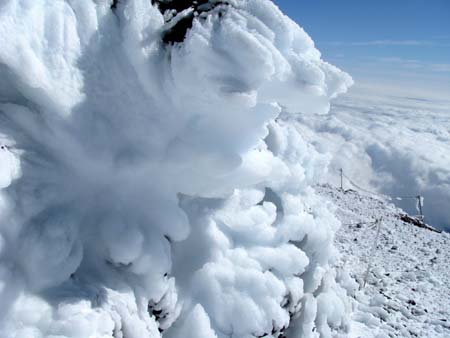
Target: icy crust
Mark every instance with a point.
(154, 189)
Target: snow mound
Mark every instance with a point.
(150, 184)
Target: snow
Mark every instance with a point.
(10, 168)
(159, 170)
(153, 188)
(407, 293)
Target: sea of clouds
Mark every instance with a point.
(389, 142)
(157, 187)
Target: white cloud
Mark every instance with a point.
(390, 43)
(440, 67)
(395, 141)
(430, 79)
(416, 64)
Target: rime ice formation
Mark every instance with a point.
(154, 186)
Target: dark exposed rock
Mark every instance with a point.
(417, 222)
(180, 14)
(412, 302)
(114, 4)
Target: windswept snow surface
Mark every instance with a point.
(407, 292)
(151, 188)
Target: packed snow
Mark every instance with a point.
(152, 184)
(407, 293)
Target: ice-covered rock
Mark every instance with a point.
(155, 186)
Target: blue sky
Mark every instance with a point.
(398, 42)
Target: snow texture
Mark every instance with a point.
(407, 292)
(151, 184)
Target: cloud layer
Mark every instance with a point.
(398, 145)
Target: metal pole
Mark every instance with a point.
(372, 253)
(342, 179)
(419, 202)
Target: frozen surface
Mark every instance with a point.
(153, 187)
(407, 292)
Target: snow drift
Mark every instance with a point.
(151, 181)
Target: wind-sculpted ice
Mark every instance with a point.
(151, 184)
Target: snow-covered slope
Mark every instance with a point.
(149, 185)
(407, 292)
